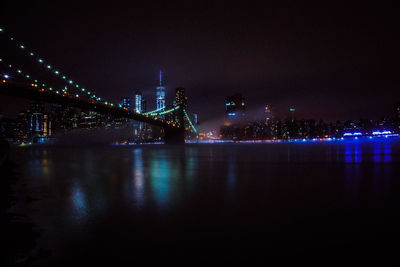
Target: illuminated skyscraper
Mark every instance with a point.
(36, 117)
(138, 102)
(292, 114)
(195, 119)
(235, 106)
(144, 105)
(268, 114)
(126, 102)
(180, 97)
(160, 94)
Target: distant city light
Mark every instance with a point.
(40, 60)
(6, 76)
(381, 133)
(352, 134)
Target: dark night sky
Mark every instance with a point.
(332, 62)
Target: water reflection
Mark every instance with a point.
(353, 152)
(138, 177)
(382, 152)
(160, 177)
(79, 203)
(231, 177)
(190, 168)
(87, 183)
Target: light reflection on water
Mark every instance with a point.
(79, 203)
(161, 177)
(88, 183)
(357, 151)
(139, 180)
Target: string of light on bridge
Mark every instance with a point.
(65, 78)
(157, 111)
(55, 71)
(154, 111)
(33, 82)
(190, 122)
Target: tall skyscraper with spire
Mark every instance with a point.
(160, 94)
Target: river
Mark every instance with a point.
(203, 203)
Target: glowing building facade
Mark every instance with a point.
(180, 97)
(36, 117)
(160, 94)
(138, 102)
(126, 102)
(195, 119)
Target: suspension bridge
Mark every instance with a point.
(19, 83)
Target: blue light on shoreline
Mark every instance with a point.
(272, 141)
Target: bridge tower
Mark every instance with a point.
(176, 136)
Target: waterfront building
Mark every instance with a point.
(35, 118)
(47, 126)
(89, 119)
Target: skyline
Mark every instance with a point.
(199, 132)
(327, 63)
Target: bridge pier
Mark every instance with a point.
(174, 136)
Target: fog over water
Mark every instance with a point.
(230, 202)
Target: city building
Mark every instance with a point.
(138, 102)
(126, 102)
(89, 119)
(35, 118)
(268, 114)
(235, 106)
(180, 97)
(292, 114)
(160, 94)
(47, 126)
(195, 119)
